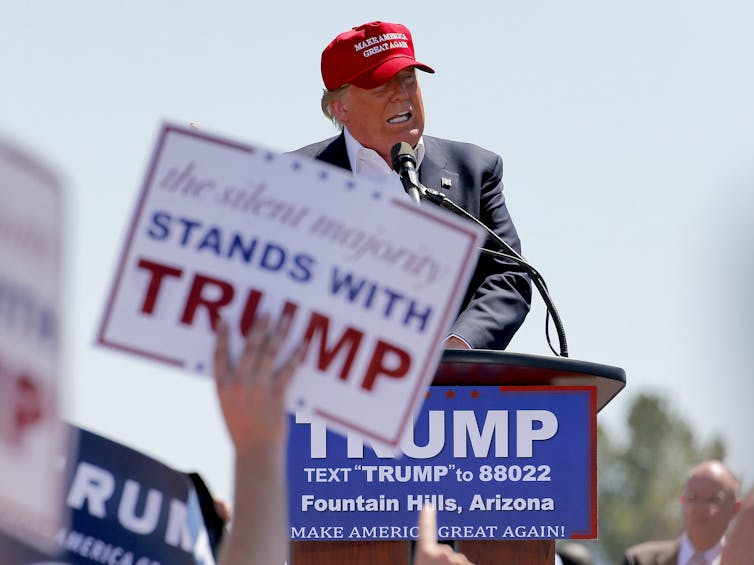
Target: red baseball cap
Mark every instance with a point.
(369, 55)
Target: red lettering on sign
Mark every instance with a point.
(213, 294)
(158, 272)
(196, 298)
(378, 364)
(250, 310)
(28, 404)
(350, 340)
(26, 407)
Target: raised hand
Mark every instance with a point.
(428, 551)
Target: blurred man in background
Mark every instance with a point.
(709, 501)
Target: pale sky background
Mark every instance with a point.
(627, 132)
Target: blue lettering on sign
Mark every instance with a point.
(25, 314)
(130, 501)
(228, 244)
(372, 296)
(496, 463)
(125, 509)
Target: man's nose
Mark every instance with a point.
(705, 508)
(398, 90)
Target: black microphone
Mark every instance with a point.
(404, 163)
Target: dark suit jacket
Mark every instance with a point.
(663, 552)
(496, 301)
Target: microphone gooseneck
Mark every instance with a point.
(404, 163)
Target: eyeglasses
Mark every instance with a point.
(716, 500)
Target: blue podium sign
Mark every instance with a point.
(496, 462)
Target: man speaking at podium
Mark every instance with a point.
(372, 93)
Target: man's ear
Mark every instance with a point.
(340, 111)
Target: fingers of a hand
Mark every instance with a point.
(288, 369)
(253, 346)
(222, 355)
(271, 347)
(457, 559)
(427, 527)
(444, 555)
(460, 559)
(222, 509)
(282, 327)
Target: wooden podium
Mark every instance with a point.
(477, 368)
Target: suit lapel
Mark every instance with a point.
(433, 172)
(336, 154)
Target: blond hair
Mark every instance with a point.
(328, 97)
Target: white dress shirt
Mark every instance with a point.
(368, 165)
(712, 555)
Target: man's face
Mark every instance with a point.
(709, 503)
(381, 117)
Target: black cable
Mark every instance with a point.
(552, 311)
(404, 163)
(515, 257)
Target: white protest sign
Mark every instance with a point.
(227, 229)
(32, 438)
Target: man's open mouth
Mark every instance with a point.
(400, 118)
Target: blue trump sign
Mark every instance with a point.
(496, 462)
(125, 509)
